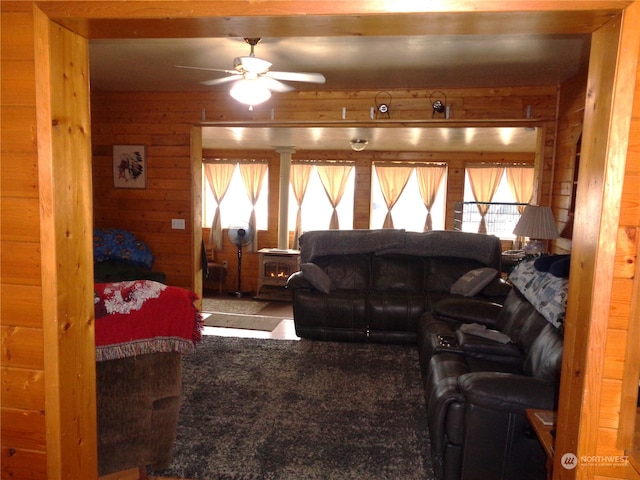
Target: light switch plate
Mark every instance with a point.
(178, 223)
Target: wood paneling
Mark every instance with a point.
(361, 17)
(64, 170)
(22, 399)
(23, 430)
(571, 109)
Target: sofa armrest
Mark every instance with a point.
(506, 392)
(475, 345)
(498, 438)
(298, 280)
(467, 310)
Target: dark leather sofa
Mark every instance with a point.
(476, 388)
(379, 282)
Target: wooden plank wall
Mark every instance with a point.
(570, 120)
(622, 350)
(162, 122)
(23, 449)
(621, 313)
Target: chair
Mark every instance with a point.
(215, 275)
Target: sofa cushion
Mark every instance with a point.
(317, 277)
(347, 272)
(397, 273)
(442, 272)
(497, 290)
(473, 282)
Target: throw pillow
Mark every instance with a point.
(561, 267)
(472, 283)
(317, 277)
(543, 264)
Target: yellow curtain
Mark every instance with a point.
(484, 183)
(334, 180)
(392, 182)
(299, 178)
(520, 181)
(252, 177)
(219, 177)
(429, 180)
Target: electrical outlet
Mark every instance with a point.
(225, 264)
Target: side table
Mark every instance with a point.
(543, 423)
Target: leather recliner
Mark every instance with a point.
(477, 390)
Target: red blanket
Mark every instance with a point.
(144, 316)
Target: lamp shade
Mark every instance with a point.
(536, 222)
(250, 92)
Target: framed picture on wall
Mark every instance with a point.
(129, 166)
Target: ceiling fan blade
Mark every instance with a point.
(220, 81)
(297, 76)
(275, 85)
(207, 69)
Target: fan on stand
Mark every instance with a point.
(240, 236)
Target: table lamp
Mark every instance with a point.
(538, 224)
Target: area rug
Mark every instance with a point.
(227, 305)
(247, 322)
(291, 410)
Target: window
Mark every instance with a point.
(409, 212)
(501, 218)
(316, 209)
(235, 205)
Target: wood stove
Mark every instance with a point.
(274, 268)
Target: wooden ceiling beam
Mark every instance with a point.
(163, 19)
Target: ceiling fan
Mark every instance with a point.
(254, 82)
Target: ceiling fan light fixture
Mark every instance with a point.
(250, 92)
(358, 144)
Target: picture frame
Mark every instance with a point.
(129, 166)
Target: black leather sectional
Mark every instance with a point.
(377, 283)
(395, 286)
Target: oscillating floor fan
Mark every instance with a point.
(241, 236)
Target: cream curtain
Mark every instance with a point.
(429, 180)
(484, 183)
(252, 177)
(219, 177)
(334, 180)
(520, 181)
(299, 178)
(392, 182)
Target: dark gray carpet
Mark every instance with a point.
(301, 410)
